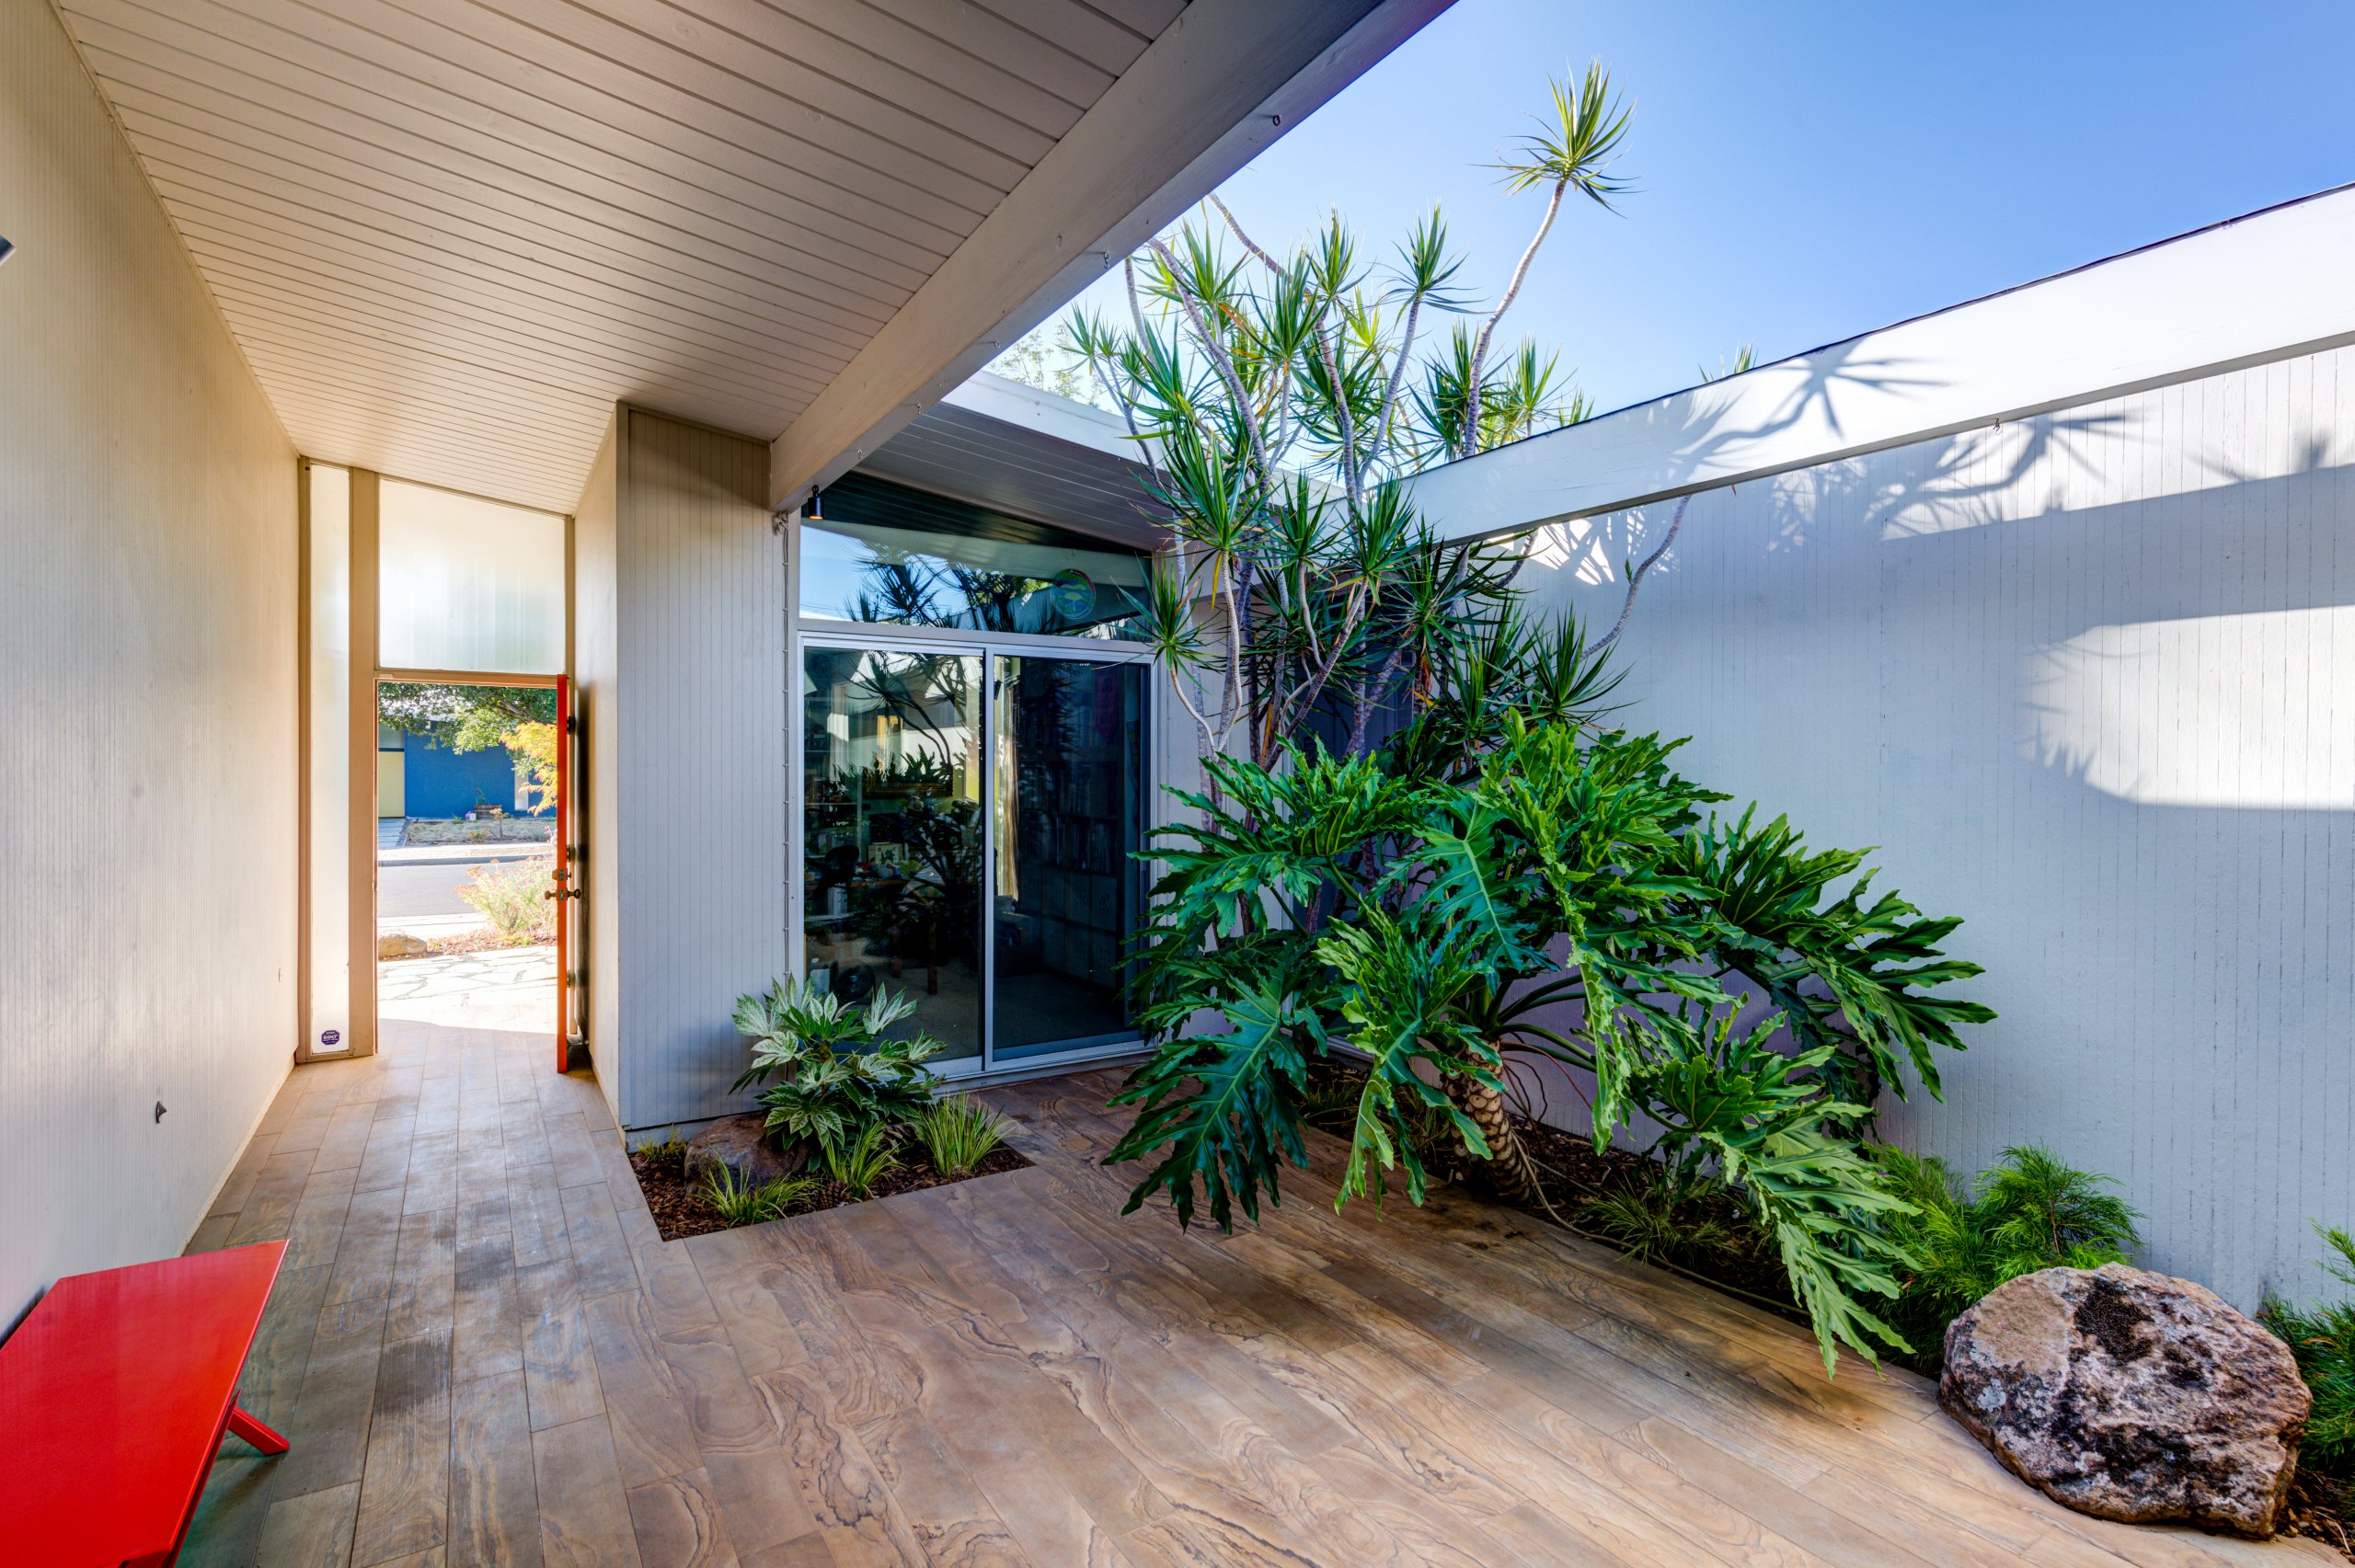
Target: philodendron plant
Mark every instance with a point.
(834, 1073)
(1565, 898)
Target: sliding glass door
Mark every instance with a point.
(968, 821)
(891, 827)
(1068, 798)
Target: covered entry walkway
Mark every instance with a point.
(483, 1353)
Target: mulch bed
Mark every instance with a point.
(680, 1209)
(2322, 1508)
(1573, 1177)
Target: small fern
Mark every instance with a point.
(1667, 1219)
(863, 1162)
(2032, 1212)
(2323, 1341)
(740, 1202)
(958, 1132)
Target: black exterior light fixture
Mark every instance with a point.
(810, 510)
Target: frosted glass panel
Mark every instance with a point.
(329, 596)
(466, 584)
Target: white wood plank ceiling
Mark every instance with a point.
(449, 235)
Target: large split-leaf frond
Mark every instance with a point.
(1224, 1109)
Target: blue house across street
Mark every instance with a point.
(419, 776)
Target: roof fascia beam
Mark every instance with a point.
(1222, 83)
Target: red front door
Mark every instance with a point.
(567, 888)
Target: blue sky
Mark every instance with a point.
(1810, 170)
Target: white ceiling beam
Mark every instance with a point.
(1050, 414)
(1222, 83)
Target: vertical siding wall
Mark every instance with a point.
(595, 672)
(2089, 681)
(147, 698)
(687, 819)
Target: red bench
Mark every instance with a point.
(114, 1393)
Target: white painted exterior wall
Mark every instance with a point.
(680, 652)
(2087, 677)
(147, 691)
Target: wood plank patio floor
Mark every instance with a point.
(483, 1353)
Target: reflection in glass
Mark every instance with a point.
(891, 866)
(857, 571)
(1069, 819)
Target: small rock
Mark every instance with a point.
(742, 1144)
(401, 945)
(2129, 1395)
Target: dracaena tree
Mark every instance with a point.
(1506, 876)
(1280, 403)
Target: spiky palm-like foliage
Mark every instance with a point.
(1277, 403)
(1667, 1219)
(2323, 1340)
(742, 1202)
(958, 1132)
(859, 1163)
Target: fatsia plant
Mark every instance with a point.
(835, 1075)
(1546, 904)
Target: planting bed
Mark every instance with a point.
(681, 1209)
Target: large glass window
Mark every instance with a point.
(887, 554)
(907, 578)
(1070, 802)
(891, 872)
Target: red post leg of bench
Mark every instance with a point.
(254, 1432)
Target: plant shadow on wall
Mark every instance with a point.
(849, 1114)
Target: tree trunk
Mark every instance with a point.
(1509, 1170)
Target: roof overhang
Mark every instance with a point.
(2273, 285)
(449, 237)
(1221, 84)
(1029, 454)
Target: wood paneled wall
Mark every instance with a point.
(595, 673)
(147, 698)
(682, 674)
